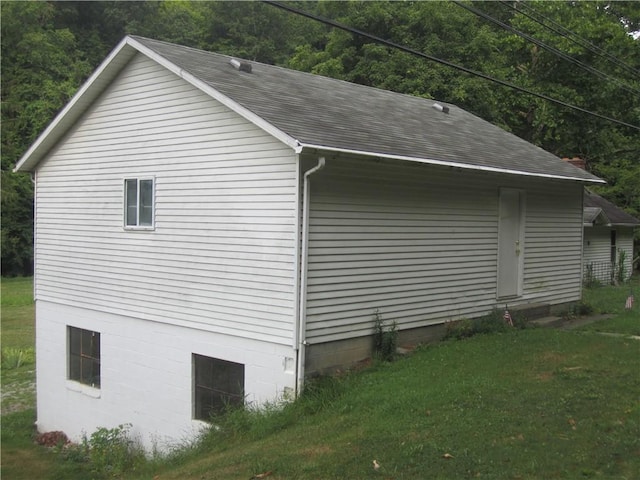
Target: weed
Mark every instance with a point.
(490, 323)
(577, 310)
(590, 279)
(385, 338)
(13, 358)
(108, 451)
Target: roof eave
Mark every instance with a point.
(446, 163)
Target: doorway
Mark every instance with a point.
(510, 242)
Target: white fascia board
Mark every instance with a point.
(212, 92)
(446, 163)
(87, 93)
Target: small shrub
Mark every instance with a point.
(490, 323)
(13, 358)
(385, 338)
(590, 279)
(108, 451)
(577, 310)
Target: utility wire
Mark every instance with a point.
(388, 43)
(549, 48)
(522, 7)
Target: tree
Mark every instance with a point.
(41, 69)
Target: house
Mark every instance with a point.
(608, 241)
(211, 231)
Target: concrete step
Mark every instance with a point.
(549, 322)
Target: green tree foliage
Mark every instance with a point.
(50, 48)
(41, 70)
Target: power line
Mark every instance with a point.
(568, 34)
(549, 48)
(388, 43)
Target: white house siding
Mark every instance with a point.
(146, 374)
(553, 243)
(418, 243)
(222, 255)
(597, 251)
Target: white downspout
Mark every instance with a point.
(304, 264)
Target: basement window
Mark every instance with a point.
(84, 356)
(218, 385)
(138, 203)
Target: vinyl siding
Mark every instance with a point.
(222, 254)
(418, 243)
(597, 252)
(553, 243)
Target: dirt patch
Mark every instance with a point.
(18, 396)
(544, 376)
(554, 357)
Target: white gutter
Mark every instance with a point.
(447, 163)
(304, 264)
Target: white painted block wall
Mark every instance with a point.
(146, 375)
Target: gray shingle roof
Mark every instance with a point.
(325, 112)
(614, 214)
(311, 111)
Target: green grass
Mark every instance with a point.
(527, 404)
(18, 320)
(18, 340)
(611, 300)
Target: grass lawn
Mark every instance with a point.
(609, 299)
(526, 404)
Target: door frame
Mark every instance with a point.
(518, 232)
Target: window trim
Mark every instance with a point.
(83, 356)
(138, 179)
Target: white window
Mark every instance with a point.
(138, 203)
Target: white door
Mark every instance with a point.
(510, 242)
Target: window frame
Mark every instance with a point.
(218, 396)
(138, 202)
(79, 360)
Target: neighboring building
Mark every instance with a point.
(608, 238)
(209, 230)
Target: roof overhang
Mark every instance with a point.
(446, 163)
(129, 47)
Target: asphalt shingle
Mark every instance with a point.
(326, 112)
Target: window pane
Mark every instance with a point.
(75, 335)
(131, 202)
(74, 367)
(95, 373)
(84, 356)
(218, 384)
(146, 202)
(95, 345)
(203, 371)
(86, 343)
(86, 371)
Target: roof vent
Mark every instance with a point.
(242, 66)
(441, 108)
